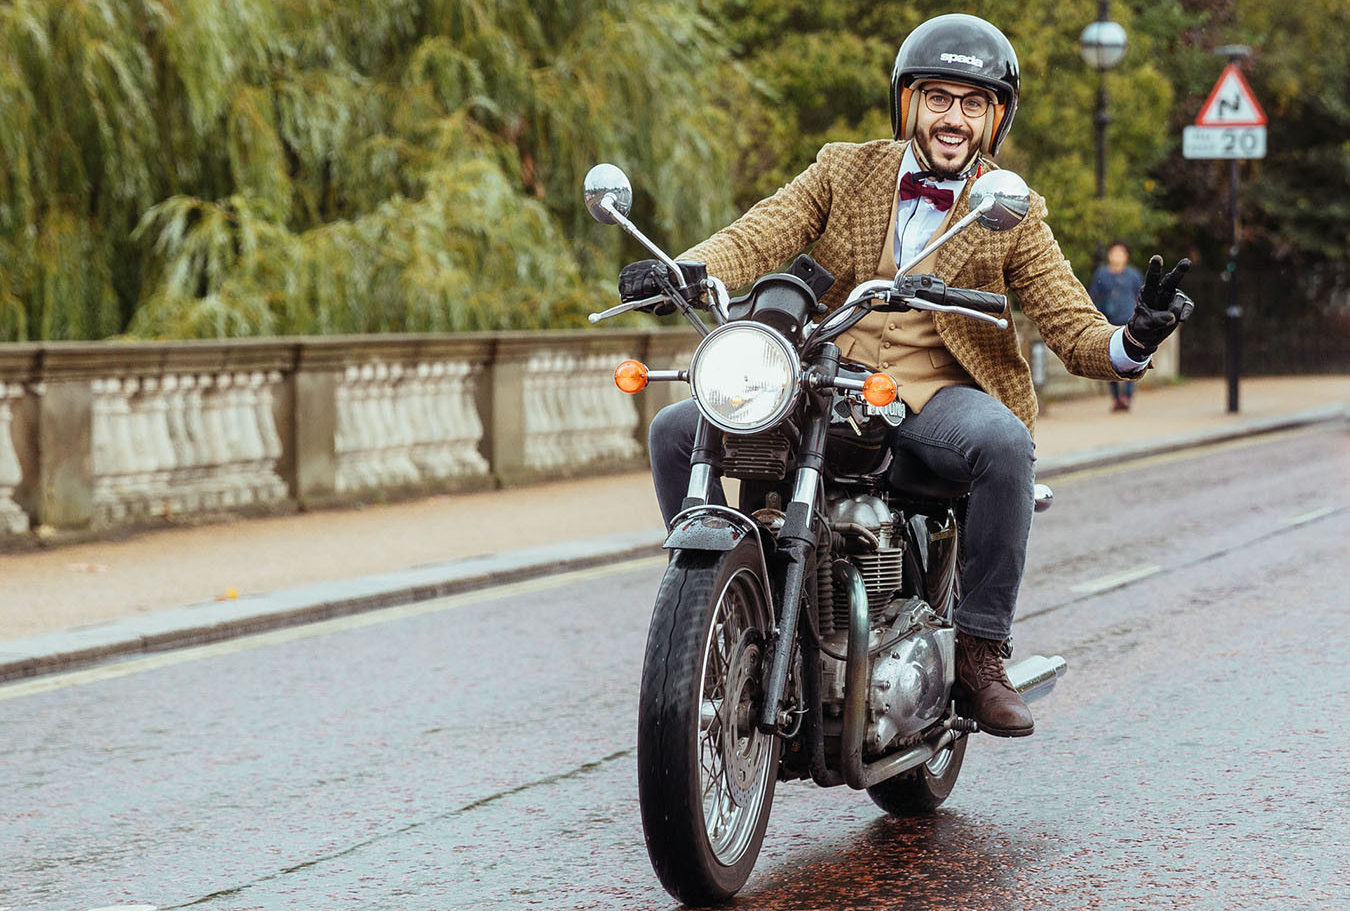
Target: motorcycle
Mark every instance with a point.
(807, 633)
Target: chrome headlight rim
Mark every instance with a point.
(789, 351)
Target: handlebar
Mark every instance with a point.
(926, 292)
(983, 301)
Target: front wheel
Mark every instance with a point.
(706, 774)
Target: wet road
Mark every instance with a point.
(478, 752)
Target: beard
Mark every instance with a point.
(938, 159)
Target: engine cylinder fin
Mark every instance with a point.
(883, 573)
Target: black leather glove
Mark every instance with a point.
(1158, 310)
(638, 280)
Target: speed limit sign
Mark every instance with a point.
(1223, 142)
(1230, 125)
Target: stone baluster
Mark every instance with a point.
(218, 493)
(615, 415)
(567, 393)
(429, 452)
(181, 494)
(543, 417)
(402, 429)
(245, 443)
(198, 493)
(154, 407)
(466, 429)
(270, 487)
(122, 480)
(12, 519)
(591, 425)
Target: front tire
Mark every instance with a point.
(706, 774)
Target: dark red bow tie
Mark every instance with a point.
(910, 188)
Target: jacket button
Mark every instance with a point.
(891, 326)
(885, 365)
(885, 344)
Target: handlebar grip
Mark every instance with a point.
(984, 301)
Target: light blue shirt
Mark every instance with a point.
(917, 220)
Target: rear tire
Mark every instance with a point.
(706, 775)
(924, 789)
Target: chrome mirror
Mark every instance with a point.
(606, 181)
(1010, 195)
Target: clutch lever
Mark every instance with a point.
(621, 309)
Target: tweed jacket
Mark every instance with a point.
(840, 207)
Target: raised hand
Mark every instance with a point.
(1158, 310)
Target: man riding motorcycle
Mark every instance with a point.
(868, 208)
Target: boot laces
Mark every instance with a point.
(987, 662)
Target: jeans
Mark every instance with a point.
(962, 434)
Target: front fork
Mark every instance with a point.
(797, 537)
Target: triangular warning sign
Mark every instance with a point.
(1231, 103)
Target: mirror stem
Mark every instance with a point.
(622, 221)
(951, 232)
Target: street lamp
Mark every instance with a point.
(1102, 45)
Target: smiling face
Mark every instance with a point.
(948, 140)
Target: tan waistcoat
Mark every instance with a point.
(905, 345)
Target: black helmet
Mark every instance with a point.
(958, 48)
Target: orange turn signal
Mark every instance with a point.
(631, 376)
(879, 389)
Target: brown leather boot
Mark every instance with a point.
(998, 707)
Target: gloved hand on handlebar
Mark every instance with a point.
(638, 280)
(1159, 309)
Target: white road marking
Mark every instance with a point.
(1115, 580)
(1309, 516)
(321, 628)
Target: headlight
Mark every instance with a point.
(744, 376)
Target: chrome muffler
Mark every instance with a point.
(1035, 676)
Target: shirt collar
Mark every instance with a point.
(910, 165)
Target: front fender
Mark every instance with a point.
(710, 528)
(720, 529)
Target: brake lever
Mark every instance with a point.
(915, 303)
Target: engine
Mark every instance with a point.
(911, 650)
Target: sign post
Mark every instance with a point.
(1230, 125)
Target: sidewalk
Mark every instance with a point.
(162, 589)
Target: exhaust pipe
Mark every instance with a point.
(1035, 676)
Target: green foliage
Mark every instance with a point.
(195, 168)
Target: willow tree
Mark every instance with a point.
(196, 168)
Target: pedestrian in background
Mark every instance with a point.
(1114, 288)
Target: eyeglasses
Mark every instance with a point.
(973, 104)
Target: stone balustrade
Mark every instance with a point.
(99, 436)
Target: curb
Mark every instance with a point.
(208, 622)
(214, 621)
(1053, 466)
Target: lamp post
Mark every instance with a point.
(1102, 45)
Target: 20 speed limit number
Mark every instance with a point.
(1223, 142)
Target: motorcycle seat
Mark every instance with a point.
(911, 479)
